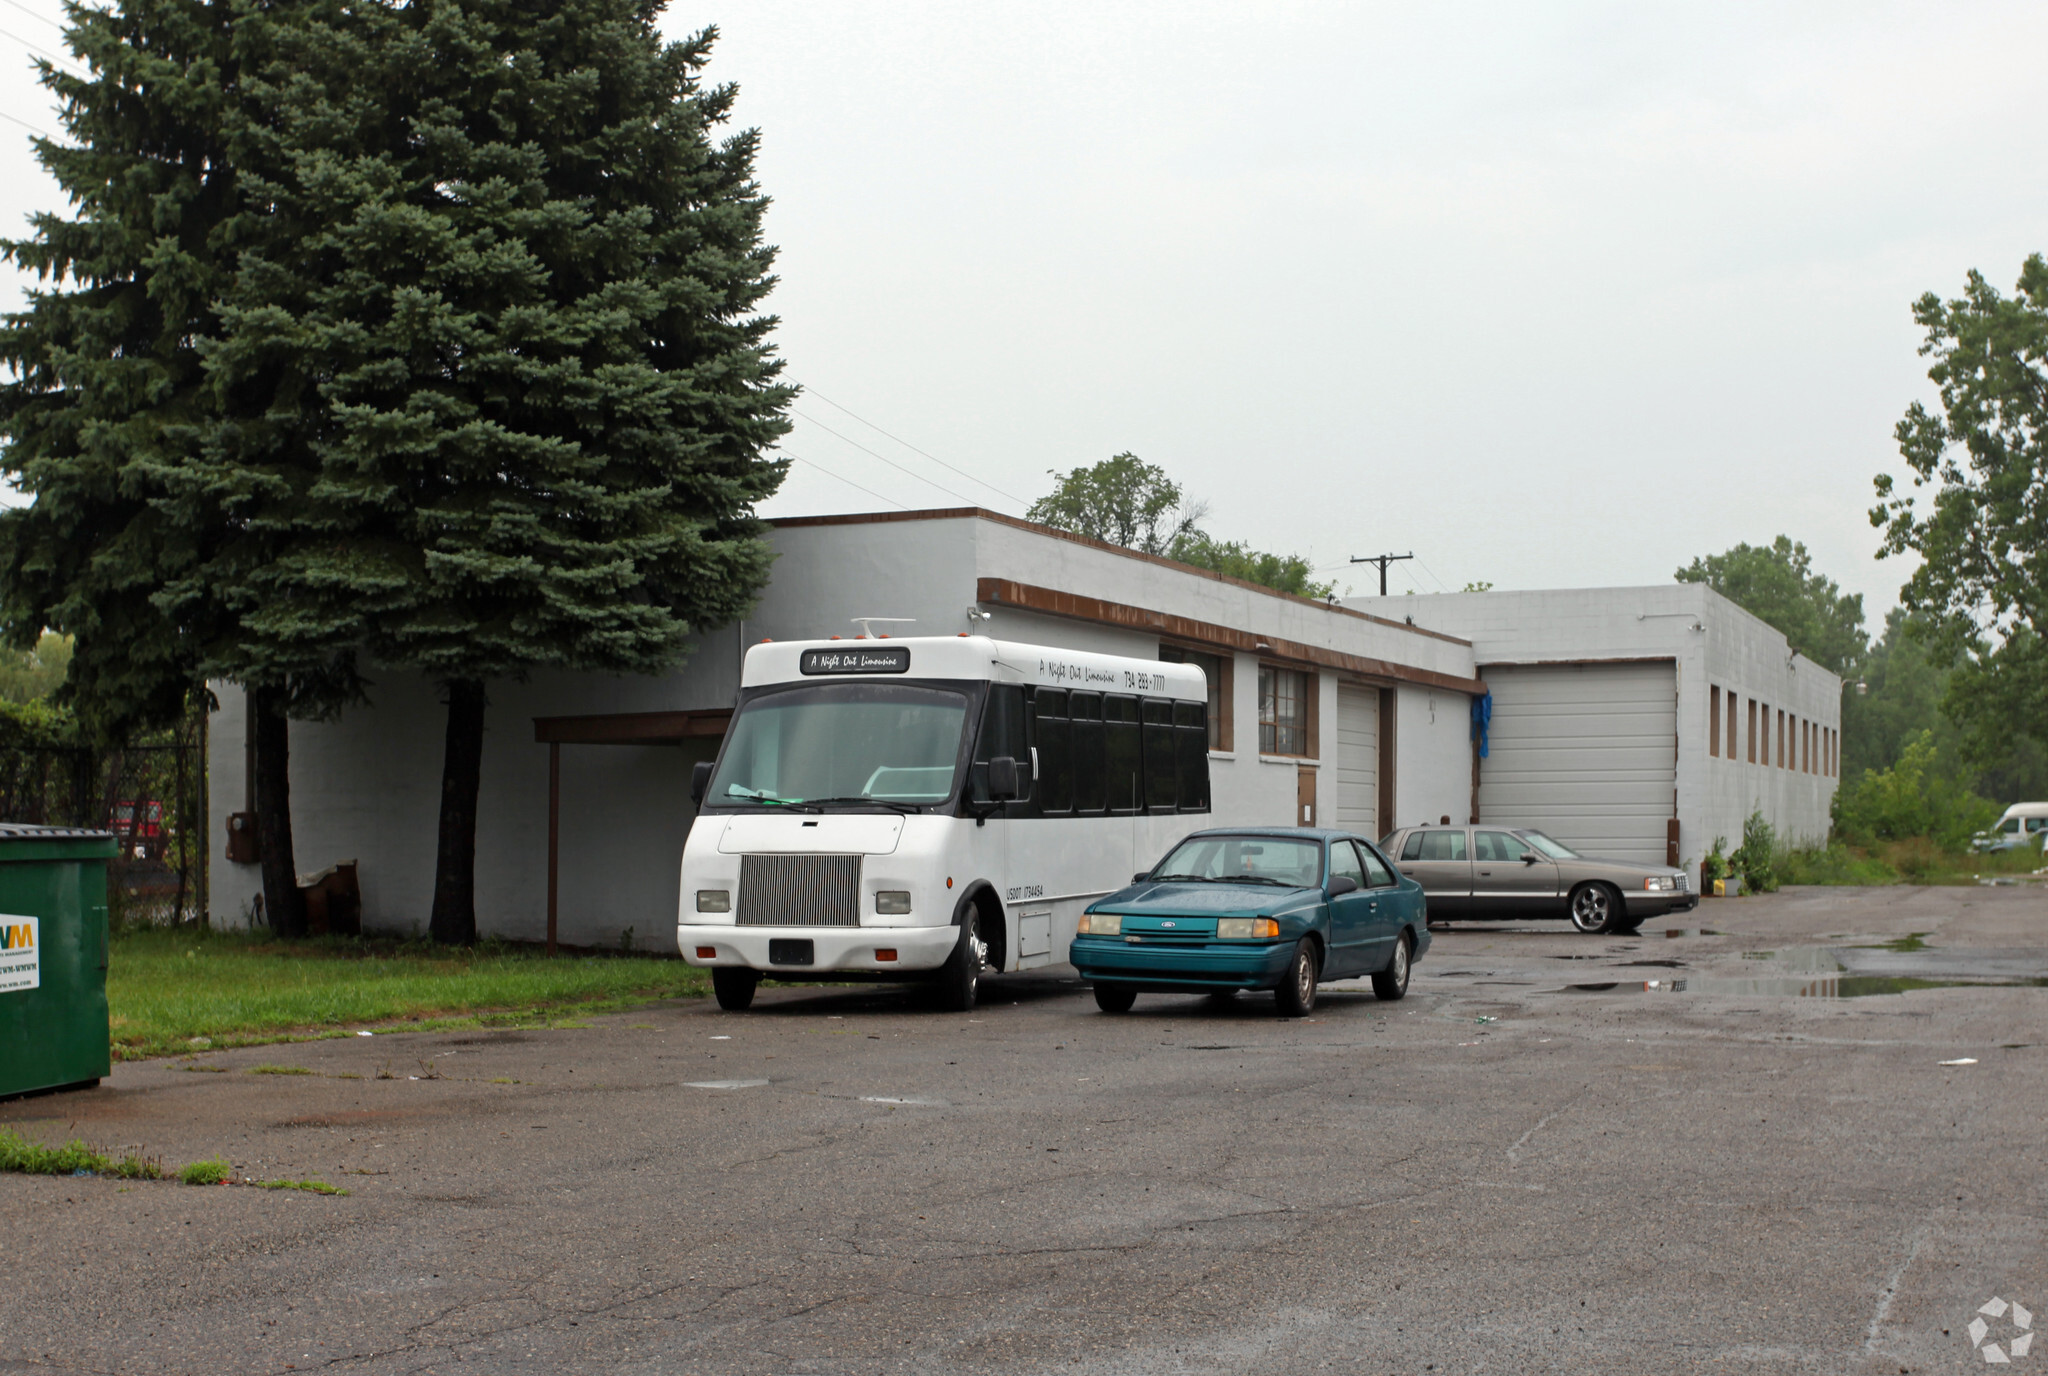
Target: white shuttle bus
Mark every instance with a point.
(931, 807)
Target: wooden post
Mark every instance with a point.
(554, 831)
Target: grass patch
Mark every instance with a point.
(211, 1171)
(1916, 860)
(309, 1186)
(166, 987)
(24, 1157)
(279, 1070)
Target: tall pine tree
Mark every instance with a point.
(114, 422)
(523, 282)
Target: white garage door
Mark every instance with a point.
(1358, 760)
(1587, 753)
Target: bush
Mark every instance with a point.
(1834, 863)
(1715, 866)
(1756, 859)
(1916, 797)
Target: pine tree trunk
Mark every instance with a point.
(283, 904)
(454, 917)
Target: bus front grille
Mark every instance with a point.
(799, 891)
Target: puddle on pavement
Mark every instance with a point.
(1672, 933)
(1793, 986)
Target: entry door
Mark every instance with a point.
(1437, 858)
(1509, 876)
(1305, 798)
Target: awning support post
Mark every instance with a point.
(554, 832)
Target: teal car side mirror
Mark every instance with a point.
(1342, 884)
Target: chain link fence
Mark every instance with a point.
(151, 794)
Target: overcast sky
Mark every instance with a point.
(1552, 295)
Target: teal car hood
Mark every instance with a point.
(1205, 900)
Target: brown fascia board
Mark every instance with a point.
(976, 513)
(631, 728)
(1575, 663)
(1002, 592)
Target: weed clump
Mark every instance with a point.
(23, 1157)
(211, 1171)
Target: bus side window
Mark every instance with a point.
(1162, 791)
(1055, 751)
(1091, 781)
(1191, 744)
(1002, 733)
(1124, 752)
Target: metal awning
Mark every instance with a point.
(610, 728)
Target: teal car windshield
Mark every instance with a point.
(843, 741)
(1245, 860)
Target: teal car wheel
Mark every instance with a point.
(1297, 992)
(1115, 998)
(1392, 982)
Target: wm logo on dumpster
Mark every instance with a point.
(21, 965)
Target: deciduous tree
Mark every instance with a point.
(1982, 535)
(1776, 583)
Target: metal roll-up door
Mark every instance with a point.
(1358, 759)
(1585, 752)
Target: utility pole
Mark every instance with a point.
(1383, 560)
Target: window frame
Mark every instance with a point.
(1221, 715)
(1311, 687)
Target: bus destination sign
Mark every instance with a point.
(892, 659)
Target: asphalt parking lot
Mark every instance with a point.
(1539, 1161)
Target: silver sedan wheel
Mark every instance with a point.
(1592, 908)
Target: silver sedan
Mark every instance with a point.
(1518, 872)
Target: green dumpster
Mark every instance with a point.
(53, 957)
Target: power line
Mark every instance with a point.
(811, 391)
(957, 496)
(812, 463)
(36, 14)
(1440, 584)
(33, 129)
(72, 63)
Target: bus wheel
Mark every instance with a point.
(734, 987)
(960, 977)
(1115, 998)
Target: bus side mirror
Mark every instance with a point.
(700, 780)
(1002, 778)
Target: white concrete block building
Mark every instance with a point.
(1634, 722)
(1320, 714)
(1642, 723)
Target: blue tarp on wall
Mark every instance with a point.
(1482, 715)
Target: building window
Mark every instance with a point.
(1781, 738)
(1752, 730)
(1714, 722)
(1731, 723)
(1283, 711)
(1217, 669)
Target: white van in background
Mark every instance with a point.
(2023, 825)
(931, 807)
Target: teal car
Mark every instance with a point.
(1255, 908)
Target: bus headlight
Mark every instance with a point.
(1246, 928)
(714, 900)
(892, 902)
(1100, 924)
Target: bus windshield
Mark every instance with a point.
(842, 741)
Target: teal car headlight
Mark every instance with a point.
(1100, 924)
(1246, 928)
